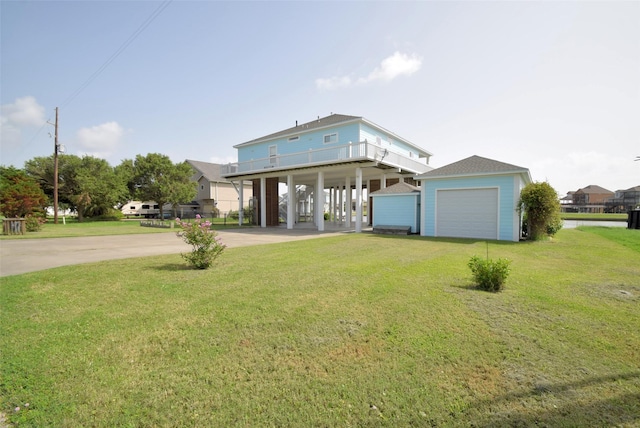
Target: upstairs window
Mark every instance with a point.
(331, 138)
(292, 139)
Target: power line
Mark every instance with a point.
(118, 52)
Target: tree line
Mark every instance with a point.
(92, 188)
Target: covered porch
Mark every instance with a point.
(329, 197)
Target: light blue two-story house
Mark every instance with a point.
(340, 155)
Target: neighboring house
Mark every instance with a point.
(397, 205)
(623, 201)
(338, 154)
(591, 199)
(216, 195)
(473, 198)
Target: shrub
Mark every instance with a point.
(205, 245)
(34, 222)
(541, 210)
(488, 274)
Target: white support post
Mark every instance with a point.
(263, 202)
(358, 200)
(319, 201)
(291, 200)
(335, 204)
(347, 202)
(240, 202)
(331, 202)
(383, 181)
(340, 203)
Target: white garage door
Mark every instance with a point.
(467, 213)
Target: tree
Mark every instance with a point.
(20, 195)
(156, 178)
(89, 185)
(182, 188)
(541, 210)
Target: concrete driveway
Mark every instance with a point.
(19, 256)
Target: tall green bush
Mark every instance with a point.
(489, 275)
(541, 210)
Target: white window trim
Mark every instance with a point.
(329, 135)
(273, 157)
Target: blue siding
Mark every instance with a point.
(387, 140)
(396, 210)
(310, 140)
(508, 193)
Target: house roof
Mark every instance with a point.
(397, 188)
(594, 189)
(474, 165)
(326, 122)
(314, 124)
(210, 171)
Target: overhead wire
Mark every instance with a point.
(117, 53)
(108, 62)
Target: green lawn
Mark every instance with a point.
(594, 216)
(72, 228)
(355, 330)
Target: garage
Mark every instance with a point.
(467, 213)
(473, 198)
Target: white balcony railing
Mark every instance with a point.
(348, 153)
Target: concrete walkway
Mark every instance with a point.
(19, 256)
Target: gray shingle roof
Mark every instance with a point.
(595, 189)
(211, 171)
(318, 123)
(397, 188)
(474, 165)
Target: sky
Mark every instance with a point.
(550, 86)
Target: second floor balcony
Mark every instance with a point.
(350, 153)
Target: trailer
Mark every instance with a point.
(146, 209)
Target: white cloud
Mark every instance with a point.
(24, 112)
(101, 140)
(396, 65)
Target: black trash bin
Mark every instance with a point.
(633, 219)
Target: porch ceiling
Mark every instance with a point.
(334, 175)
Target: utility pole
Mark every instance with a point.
(55, 173)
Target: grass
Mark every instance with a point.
(594, 216)
(355, 330)
(71, 228)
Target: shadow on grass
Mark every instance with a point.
(173, 267)
(465, 241)
(617, 410)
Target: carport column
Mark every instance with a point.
(358, 200)
(334, 207)
(319, 201)
(331, 202)
(291, 196)
(240, 202)
(340, 204)
(383, 181)
(347, 202)
(263, 202)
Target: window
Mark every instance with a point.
(202, 187)
(273, 152)
(132, 207)
(292, 139)
(331, 138)
(145, 207)
(156, 207)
